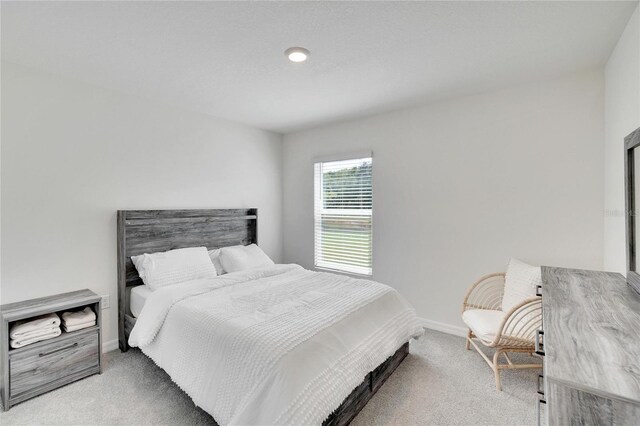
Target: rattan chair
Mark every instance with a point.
(514, 331)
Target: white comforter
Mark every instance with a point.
(275, 345)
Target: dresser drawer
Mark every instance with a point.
(64, 360)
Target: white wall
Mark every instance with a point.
(622, 116)
(462, 185)
(72, 154)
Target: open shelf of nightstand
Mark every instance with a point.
(48, 364)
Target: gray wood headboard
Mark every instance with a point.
(149, 231)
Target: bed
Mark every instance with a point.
(274, 345)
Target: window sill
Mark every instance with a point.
(341, 272)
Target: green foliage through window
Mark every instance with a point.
(348, 188)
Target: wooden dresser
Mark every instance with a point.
(590, 344)
(46, 365)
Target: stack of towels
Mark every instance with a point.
(33, 330)
(72, 321)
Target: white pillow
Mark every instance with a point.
(520, 283)
(214, 255)
(239, 258)
(174, 266)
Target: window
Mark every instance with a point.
(343, 203)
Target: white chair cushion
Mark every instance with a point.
(483, 322)
(520, 283)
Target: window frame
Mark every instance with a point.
(319, 197)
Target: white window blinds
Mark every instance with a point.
(343, 203)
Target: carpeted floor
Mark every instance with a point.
(439, 383)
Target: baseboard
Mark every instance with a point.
(109, 346)
(443, 327)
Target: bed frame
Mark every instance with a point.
(148, 231)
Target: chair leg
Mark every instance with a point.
(495, 365)
(467, 341)
(496, 370)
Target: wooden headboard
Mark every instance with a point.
(150, 231)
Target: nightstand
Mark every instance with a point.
(49, 364)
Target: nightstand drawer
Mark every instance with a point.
(64, 358)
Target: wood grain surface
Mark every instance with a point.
(43, 366)
(61, 359)
(592, 331)
(571, 406)
(42, 305)
(591, 322)
(359, 397)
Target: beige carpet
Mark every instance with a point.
(439, 383)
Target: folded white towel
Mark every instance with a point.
(69, 328)
(78, 317)
(35, 333)
(22, 328)
(55, 332)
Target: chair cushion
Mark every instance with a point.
(483, 322)
(520, 283)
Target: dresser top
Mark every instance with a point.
(43, 305)
(591, 322)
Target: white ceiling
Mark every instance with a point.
(226, 58)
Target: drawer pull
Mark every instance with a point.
(539, 290)
(541, 385)
(58, 350)
(539, 344)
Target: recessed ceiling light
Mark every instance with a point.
(297, 54)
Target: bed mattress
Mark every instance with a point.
(137, 299)
(275, 345)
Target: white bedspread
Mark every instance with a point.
(275, 345)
